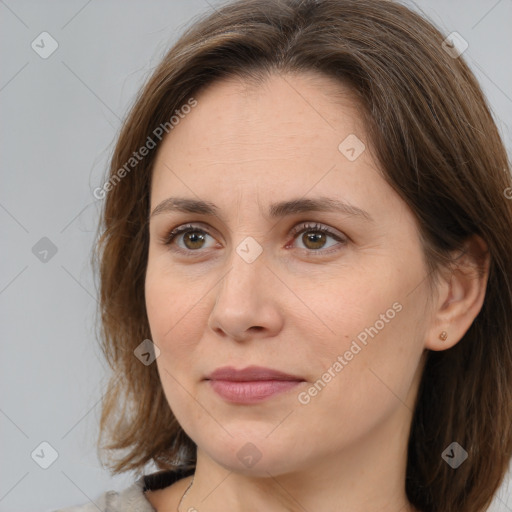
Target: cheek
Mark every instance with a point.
(176, 315)
(375, 341)
(374, 366)
(360, 384)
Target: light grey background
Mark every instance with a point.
(59, 118)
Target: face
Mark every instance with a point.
(331, 291)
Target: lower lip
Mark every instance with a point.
(251, 392)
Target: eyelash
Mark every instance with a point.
(302, 228)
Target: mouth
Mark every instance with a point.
(252, 384)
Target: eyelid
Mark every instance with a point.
(316, 226)
(171, 234)
(169, 237)
(304, 227)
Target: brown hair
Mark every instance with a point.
(438, 147)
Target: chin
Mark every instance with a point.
(257, 456)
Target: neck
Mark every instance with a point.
(368, 475)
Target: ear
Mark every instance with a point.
(460, 295)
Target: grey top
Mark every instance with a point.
(131, 499)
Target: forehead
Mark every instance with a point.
(292, 107)
(285, 131)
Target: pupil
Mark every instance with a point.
(194, 237)
(315, 239)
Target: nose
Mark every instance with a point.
(247, 301)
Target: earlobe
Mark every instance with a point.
(461, 295)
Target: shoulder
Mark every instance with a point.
(133, 497)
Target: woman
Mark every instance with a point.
(305, 263)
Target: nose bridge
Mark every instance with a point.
(246, 259)
(246, 265)
(243, 299)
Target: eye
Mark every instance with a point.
(192, 238)
(314, 237)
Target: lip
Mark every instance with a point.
(252, 384)
(251, 373)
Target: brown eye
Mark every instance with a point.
(315, 237)
(187, 239)
(193, 239)
(314, 240)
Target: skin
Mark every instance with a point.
(297, 307)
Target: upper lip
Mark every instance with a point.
(251, 373)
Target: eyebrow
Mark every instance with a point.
(276, 210)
